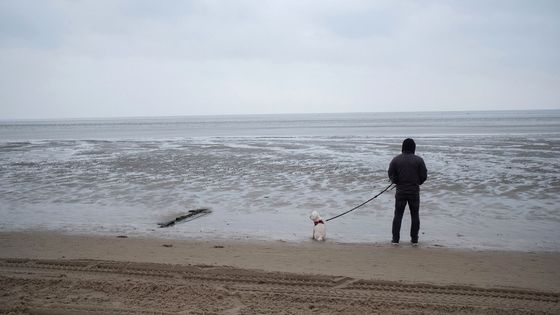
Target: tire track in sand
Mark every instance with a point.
(89, 287)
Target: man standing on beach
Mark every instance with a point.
(408, 172)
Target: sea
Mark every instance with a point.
(493, 177)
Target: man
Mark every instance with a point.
(408, 172)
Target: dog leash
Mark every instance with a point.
(363, 203)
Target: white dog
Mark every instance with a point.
(319, 228)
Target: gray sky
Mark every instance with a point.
(104, 58)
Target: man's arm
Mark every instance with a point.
(392, 172)
(423, 171)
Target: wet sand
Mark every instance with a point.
(51, 273)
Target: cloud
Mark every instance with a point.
(29, 24)
(134, 58)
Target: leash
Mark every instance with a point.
(363, 203)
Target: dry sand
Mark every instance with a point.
(48, 273)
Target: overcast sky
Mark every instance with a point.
(104, 58)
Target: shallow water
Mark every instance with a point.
(493, 177)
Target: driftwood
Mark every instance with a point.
(191, 215)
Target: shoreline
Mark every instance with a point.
(404, 264)
(246, 239)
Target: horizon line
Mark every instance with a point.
(275, 114)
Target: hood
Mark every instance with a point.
(408, 146)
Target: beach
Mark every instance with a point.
(54, 273)
(81, 199)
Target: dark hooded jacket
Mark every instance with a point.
(408, 170)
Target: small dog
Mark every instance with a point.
(319, 228)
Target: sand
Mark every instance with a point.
(50, 273)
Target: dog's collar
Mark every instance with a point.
(319, 222)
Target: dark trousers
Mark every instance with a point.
(413, 201)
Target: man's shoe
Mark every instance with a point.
(414, 244)
(394, 243)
